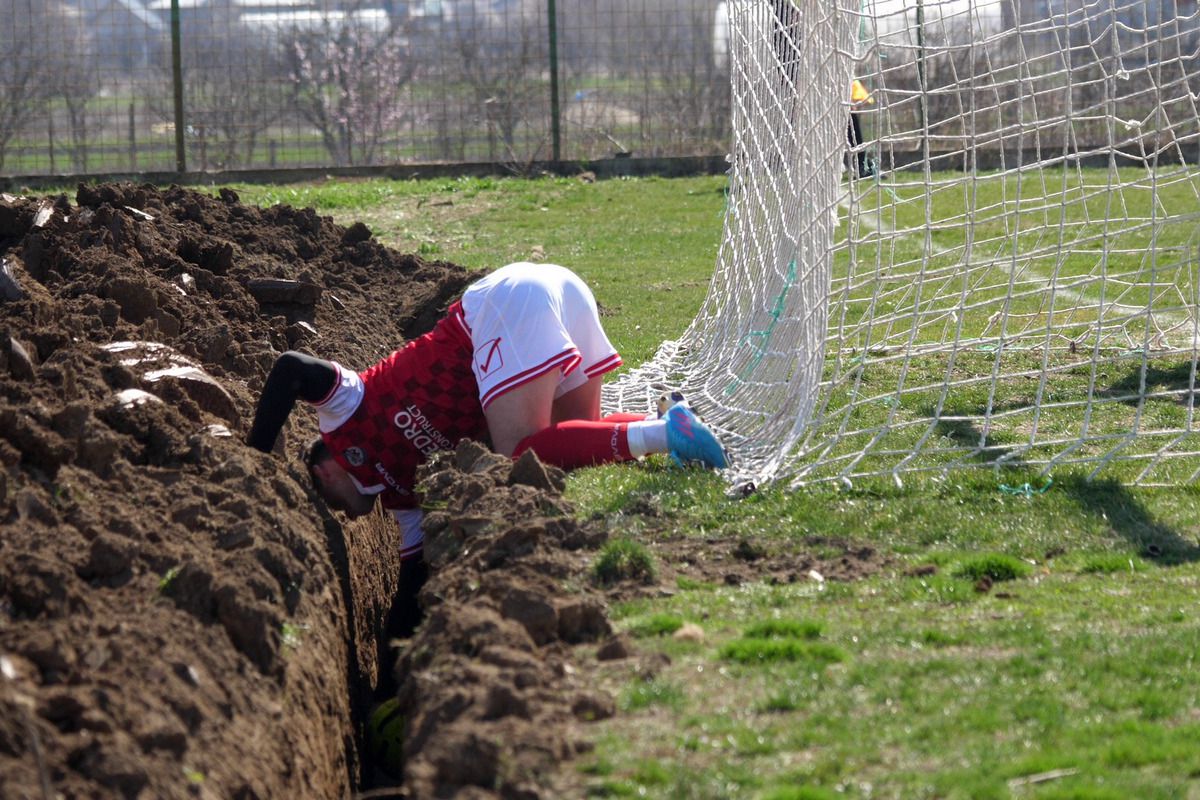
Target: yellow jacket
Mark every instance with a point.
(859, 93)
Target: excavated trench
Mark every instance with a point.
(177, 617)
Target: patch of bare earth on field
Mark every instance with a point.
(177, 617)
(730, 559)
(737, 560)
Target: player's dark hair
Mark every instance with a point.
(316, 452)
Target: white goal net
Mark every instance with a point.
(1001, 266)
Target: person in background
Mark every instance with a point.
(859, 162)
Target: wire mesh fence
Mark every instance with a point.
(104, 86)
(96, 86)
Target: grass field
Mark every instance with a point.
(1070, 676)
(1024, 332)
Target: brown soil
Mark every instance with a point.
(177, 619)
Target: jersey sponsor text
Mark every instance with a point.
(417, 428)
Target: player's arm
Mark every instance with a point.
(294, 375)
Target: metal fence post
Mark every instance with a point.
(177, 79)
(50, 136)
(132, 141)
(555, 130)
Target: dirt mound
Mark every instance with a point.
(177, 619)
(487, 683)
(173, 612)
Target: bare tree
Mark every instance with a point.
(685, 99)
(227, 76)
(25, 38)
(348, 78)
(230, 103)
(502, 59)
(74, 82)
(643, 76)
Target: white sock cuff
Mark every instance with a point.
(647, 437)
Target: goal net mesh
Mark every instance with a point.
(1000, 267)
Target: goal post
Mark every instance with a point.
(1004, 270)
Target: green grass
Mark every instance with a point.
(993, 566)
(623, 559)
(655, 625)
(292, 635)
(1025, 230)
(1072, 675)
(898, 288)
(168, 578)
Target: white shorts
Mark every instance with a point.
(528, 319)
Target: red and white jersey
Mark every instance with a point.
(511, 327)
(381, 423)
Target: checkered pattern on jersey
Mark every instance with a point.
(421, 398)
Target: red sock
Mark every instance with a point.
(581, 443)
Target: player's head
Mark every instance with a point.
(333, 483)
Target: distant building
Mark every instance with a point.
(191, 12)
(271, 18)
(125, 33)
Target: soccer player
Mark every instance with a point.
(517, 361)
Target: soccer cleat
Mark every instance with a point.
(690, 440)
